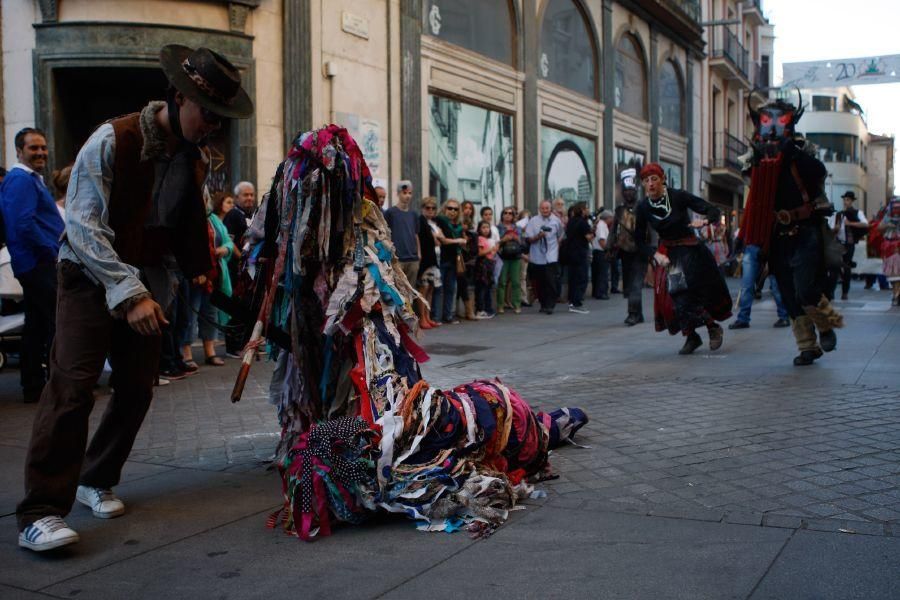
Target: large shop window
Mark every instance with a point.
(835, 147)
(484, 26)
(631, 79)
(470, 154)
(674, 174)
(671, 98)
(567, 51)
(568, 163)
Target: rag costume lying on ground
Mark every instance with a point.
(361, 429)
(785, 217)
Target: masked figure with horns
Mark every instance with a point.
(785, 217)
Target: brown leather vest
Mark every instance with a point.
(131, 200)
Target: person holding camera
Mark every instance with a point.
(849, 226)
(544, 232)
(690, 289)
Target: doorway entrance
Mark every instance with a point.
(85, 97)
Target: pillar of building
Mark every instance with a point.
(609, 85)
(297, 68)
(531, 170)
(411, 93)
(653, 90)
(689, 124)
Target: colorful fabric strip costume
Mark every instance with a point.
(361, 430)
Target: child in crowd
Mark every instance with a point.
(484, 272)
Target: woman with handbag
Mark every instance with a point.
(511, 250)
(429, 275)
(452, 241)
(690, 289)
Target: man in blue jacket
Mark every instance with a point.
(33, 230)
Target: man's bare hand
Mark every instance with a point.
(146, 317)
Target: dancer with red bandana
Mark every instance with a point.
(690, 290)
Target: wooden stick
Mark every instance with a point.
(246, 362)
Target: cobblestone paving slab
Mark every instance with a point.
(773, 453)
(753, 453)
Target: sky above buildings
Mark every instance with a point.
(831, 29)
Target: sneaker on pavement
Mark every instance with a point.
(233, 355)
(579, 309)
(103, 503)
(46, 534)
(172, 374)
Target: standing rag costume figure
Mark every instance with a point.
(689, 289)
(785, 217)
(361, 429)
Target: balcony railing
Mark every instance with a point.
(726, 150)
(726, 45)
(759, 75)
(689, 7)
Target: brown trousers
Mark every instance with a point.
(86, 335)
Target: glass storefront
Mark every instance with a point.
(674, 174)
(567, 55)
(568, 166)
(630, 80)
(470, 154)
(483, 26)
(671, 99)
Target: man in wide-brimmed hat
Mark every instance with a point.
(849, 226)
(134, 211)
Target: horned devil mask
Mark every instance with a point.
(774, 124)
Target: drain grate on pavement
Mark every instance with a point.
(453, 349)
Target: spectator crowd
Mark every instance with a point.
(466, 262)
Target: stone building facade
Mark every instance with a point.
(498, 101)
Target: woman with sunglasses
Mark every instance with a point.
(429, 277)
(509, 287)
(453, 240)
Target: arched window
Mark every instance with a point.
(567, 50)
(631, 79)
(568, 166)
(671, 98)
(484, 26)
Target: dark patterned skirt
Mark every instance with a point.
(706, 298)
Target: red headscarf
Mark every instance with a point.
(652, 169)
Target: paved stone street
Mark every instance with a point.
(720, 475)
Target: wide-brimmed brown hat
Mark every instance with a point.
(207, 78)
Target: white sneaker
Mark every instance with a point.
(103, 503)
(46, 534)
